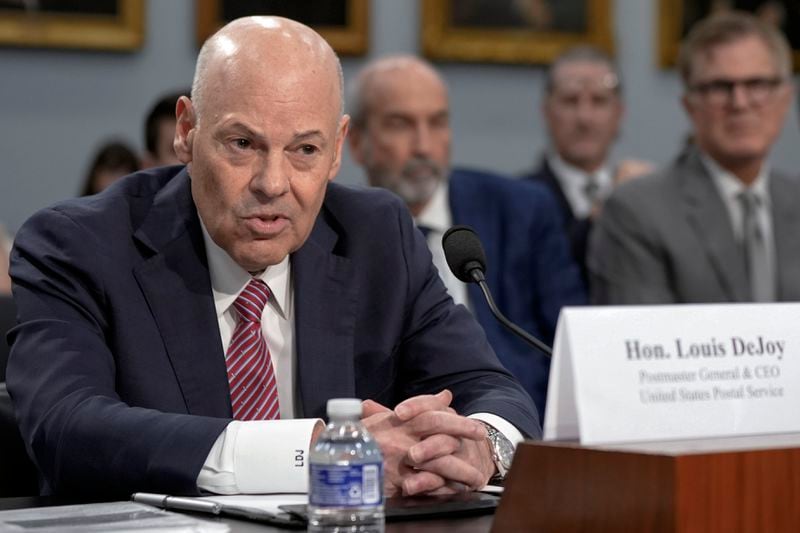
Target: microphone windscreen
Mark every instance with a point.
(463, 251)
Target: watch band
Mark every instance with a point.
(497, 443)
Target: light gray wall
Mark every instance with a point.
(56, 107)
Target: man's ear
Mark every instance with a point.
(686, 102)
(184, 129)
(341, 134)
(356, 139)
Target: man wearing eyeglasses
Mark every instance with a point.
(718, 225)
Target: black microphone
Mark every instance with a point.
(467, 261)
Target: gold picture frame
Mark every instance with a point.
(449, 34)
(676, 16)
(122, 30)
(348, 38)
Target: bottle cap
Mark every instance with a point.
(344, 408)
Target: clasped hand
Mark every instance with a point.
(427, 447)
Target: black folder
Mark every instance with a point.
(415, 508)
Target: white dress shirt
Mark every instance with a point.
(436, 216)
(573, 182)
(252, 457)
(270, 455)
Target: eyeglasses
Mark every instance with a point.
(720, 92)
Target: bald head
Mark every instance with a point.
(401, 130)
(264, 45)
(378, 76)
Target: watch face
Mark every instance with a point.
(505, 452)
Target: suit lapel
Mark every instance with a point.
(555, 185)
(786, 228)
(325, 299)
(466, 208)
(710, 220)
(176, 284)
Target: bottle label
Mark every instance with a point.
(346, 485)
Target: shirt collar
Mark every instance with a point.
(228, 279)
(565, 171)
(573, 182)
(436, 214)
(729, 186)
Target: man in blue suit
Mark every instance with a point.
(400, 133)
(183, 331)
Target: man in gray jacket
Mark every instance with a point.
(718, 225)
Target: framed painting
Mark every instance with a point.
(677, 16)
(89, 24)
(512, 31)
(343, 23)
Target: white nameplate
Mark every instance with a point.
(624, 374)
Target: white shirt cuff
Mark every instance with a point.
(256, 457)
(502, 425)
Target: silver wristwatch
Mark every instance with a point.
(502, 453)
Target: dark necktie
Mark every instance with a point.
(254, 391)
(591, 189)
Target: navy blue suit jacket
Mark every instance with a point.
(117, 371)
(577, 229)
(529, 268)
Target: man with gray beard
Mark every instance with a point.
(400, 133)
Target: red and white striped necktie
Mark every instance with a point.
(254, 391)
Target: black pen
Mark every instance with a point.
(196, 505)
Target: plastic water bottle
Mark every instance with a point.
(346, 469)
